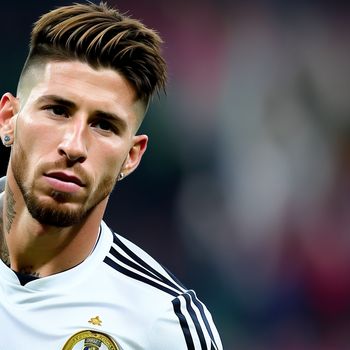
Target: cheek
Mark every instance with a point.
(112, 165)
(108, 163)
(34, 136)
(112, 152)
(34, 149)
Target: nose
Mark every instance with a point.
(74, 141)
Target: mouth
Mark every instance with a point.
(64, 182)
(64, 177)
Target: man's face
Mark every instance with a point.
(74, 134)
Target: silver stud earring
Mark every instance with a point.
(7, 140)
(121, 176)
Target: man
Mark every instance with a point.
(66, 280)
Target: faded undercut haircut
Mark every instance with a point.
(103, 38)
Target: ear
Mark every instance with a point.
(135, 154)
(9, 106)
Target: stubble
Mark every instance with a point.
(57, 213)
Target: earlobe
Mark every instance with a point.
(8, 110)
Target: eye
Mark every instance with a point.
(57, 110)
(104, 125)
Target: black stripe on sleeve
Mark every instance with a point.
(141, 262)
(204, 317)
(138, 277)
(183, 323)
(195, 321)
(149, 271)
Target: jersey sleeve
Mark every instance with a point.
(186, 324)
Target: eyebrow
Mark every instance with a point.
(56, 99)
(71, 105)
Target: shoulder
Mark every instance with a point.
(132, 261)
(182, 321)
(192, 328)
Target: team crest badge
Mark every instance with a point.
(90, 340)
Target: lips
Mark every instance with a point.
(61, 176)
(64, 182)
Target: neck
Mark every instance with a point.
(4, 255)
(30, 247)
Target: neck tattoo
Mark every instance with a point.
(4, 253)
(10, 209)
(6, 221)
(29, 271)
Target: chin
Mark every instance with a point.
(55, 211)
(57, 217)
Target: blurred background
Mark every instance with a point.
(244, 192)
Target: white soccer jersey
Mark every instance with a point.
(118, 298)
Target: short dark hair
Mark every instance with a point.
(102, 37)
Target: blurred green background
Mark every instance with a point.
(244, 192)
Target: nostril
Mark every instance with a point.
(73, 154)
(73, 146)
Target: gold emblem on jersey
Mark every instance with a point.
(96, 321)
(90, 340)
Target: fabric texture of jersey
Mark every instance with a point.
(119, 290)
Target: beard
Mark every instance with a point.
(52, 215)
(56, 212)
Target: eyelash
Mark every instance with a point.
(109, 125)
(52, 108)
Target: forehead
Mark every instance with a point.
(79, 82)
